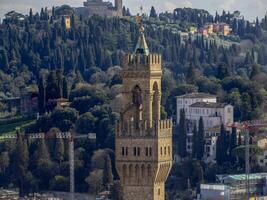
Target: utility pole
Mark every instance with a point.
(72, 167)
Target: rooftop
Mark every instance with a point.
(197, 95)
(242, 177)
(208, 105)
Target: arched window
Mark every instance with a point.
(122, 151)
(137, 96)
(124, 172)
(146, 151)
(138, 151)
(137, 173)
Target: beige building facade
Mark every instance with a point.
(143, 140)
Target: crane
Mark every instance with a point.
(71, 136)
(247, 127)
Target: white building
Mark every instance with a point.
(184, 101)
(214, 114)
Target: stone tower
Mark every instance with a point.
(143, 140)
(118, 6)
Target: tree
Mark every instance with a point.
(200, 139)
(124, 11)
(107, 172)
(4, 63)
(222, 147)
(86, 123)
(59, 183)
(255, 71)
(223, 71)
(52, 89)
(101, 160)
(195, 142)
(65, 89)
(191, 74)
(21, 160)
(182, 134)
(43, 164)
(233, 142)
(153, 13)
(59, 150)
(4, 162)
(41, 96)
(116, 191)
(95, 181)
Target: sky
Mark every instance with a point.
(249, 8)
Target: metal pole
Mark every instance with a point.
(71, 163)
(247, 162)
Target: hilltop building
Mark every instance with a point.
(101, 8)
(143, 140)
(214, 114)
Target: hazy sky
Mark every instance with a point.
(249, 8)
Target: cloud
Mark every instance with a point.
(187, 4)
(228, 4)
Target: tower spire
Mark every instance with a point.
(141, 46)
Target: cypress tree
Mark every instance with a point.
(4, 63)
(191, 74)
(200, 139)
(59, 150)
(65, 89)
(182, 134)
(41, 97)
(194, 150)
(107, 171)
(222, 147)
(153, 13)
(42, 153)
(233, 142)
(124, 12)
(21, 160)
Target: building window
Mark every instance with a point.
(150, 151)
(169, 150)
(138, 151)
(165, 151)
(134, 151)
(146, 151)
(159, 192)
(161, 151)
(122, 151)
(126, 152)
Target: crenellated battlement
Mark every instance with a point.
(130, 128)
(142, 62)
